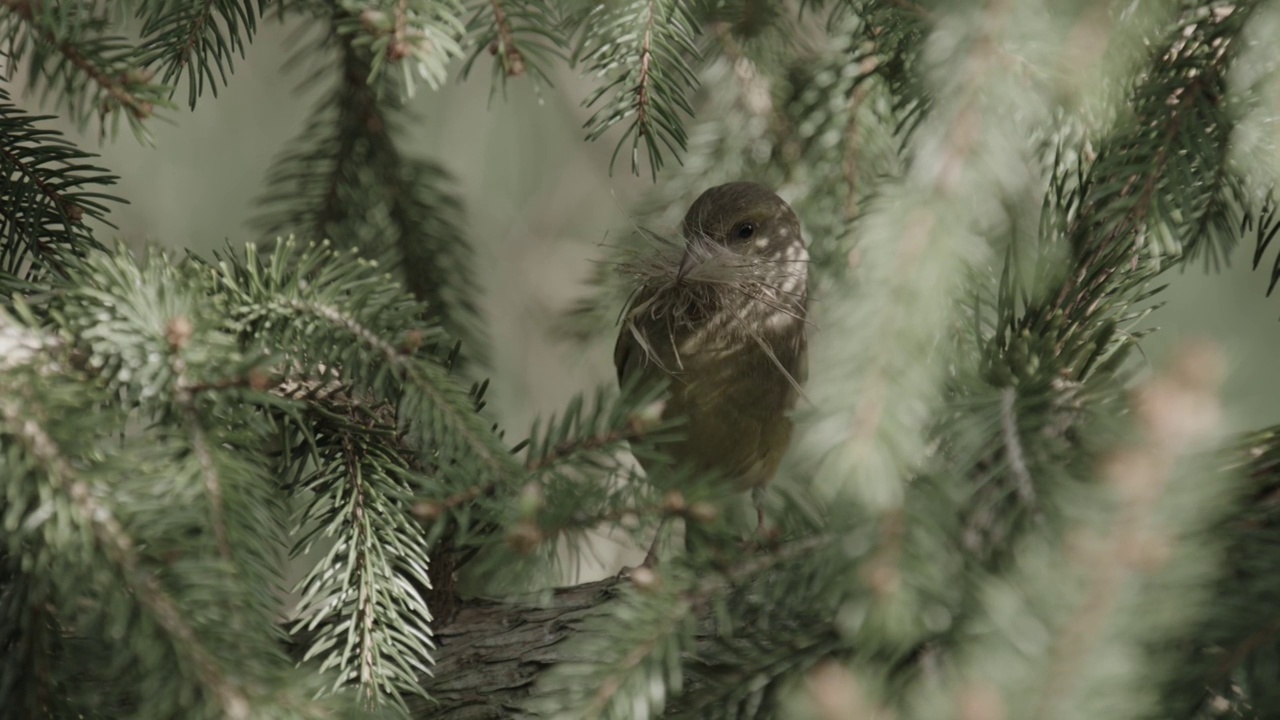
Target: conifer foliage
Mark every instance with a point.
(990, 509)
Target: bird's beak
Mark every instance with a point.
(691, 258)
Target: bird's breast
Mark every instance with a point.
(735, 390)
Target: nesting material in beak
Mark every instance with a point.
(694, 253)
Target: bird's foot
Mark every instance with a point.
(764, 537)
(649, 564)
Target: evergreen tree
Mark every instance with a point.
(988, 510)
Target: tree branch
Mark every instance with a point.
(491, 654)
(116, 87)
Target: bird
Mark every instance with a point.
(722, 319)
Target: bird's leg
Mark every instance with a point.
(757, 498)
(651, 557)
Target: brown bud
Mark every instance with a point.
(515, 63)
(178, 331)
(412, 341)
(644, 578)
(1181, 406)
(882, 577)
(524, 538)
(980, 702)
(373, 20)
(1149, 553)
(771, 534)
(1135, 475)
(74, 212)
(836, 692)
(398, 50)
(426, 510)
(703, 512)
(673, 502)
(259, 379)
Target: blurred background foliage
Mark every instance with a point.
(1010, 525)
(540, 205)
(539, 202)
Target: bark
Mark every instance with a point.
(491, 653)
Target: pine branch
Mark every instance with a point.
(625, 661)
(523, 36)
(577, 480)
(103, 580)
(50, 188)
(1062, 364)
(1056, 339)
(413, 38)
(900, 313)
(154, 335)
(1014, 445)
(364, 598)
(1133, 211)
(744, 678)
(641, 51)
(748, 20)
(858, 143)
(493, 653)
(92, 73)
(589, 432)
(511, 60)
(347, 180)
(156, 342)
(1264, 220)
(320, 304)
(1234, 646)
(1136, 565)
(199, 39)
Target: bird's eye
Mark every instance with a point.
(745, 231)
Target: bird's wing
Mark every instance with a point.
(801, 350)
(626, 351)
(629, 351)
(633, 350)
(802, 345)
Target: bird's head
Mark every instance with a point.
(742, 252)
(745, 219)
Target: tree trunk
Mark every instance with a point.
(491, 653)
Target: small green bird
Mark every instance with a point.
(725, 320)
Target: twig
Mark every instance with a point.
(642, 84)
(74, 213)
(1013, 446)
(113, 86)
(512, 58)
(399, 48)
(852, 141)
(634, 430)
(1241, 651)
(178, 333)
(408, 374)
(118, 546)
